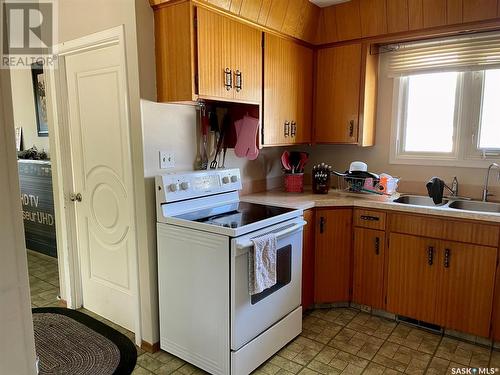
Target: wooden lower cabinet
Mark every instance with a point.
(495, 318)
(447, 283)
(412, 276)
(333, 255)
(368, 269)
(308, 261)
(467, 285)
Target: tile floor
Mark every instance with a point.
(333, 341)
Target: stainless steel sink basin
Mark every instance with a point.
(418, 200)
(475, 206)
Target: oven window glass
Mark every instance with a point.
(283, 273)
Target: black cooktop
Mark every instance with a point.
(235, 215)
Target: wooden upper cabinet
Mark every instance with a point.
(246, 57)
(219, 59)
(229, 59)
(397, 16)
(413, 276)
(373, 17)
(175, 65)
(302, 97)
(214, 55)
(467, 285)
(477, 10)
(346, 82)
(338, 80)
(333, 255)
(368, 270)
(288, 88)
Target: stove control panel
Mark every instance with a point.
(174, 187)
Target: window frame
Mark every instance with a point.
(465, 153)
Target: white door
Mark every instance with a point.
(102, 174)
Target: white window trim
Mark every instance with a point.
(465, 155)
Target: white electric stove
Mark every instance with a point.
(207, 316)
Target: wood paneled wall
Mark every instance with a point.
(295, 18)
(370, 18)
(358, 19)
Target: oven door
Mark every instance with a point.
(252, 315)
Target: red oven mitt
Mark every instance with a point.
(246, 130)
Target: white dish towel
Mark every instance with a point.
(262, 263)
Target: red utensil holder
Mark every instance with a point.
(294, 182)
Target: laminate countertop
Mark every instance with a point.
(336, 198)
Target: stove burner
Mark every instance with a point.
(235, 215)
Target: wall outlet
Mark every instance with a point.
(167, 159)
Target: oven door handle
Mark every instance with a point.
(280, 234)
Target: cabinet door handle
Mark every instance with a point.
(238, 78)
(287, 129)
(447, 255)
(322, 222)
(377, 246)
(351, 128)
(430, 255)
(369, 218)
(228, 79)
(293, 130)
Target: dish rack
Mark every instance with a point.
(369, 185)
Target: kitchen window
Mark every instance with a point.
(446, 107)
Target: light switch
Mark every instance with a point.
(167, 159)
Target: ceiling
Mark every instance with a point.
(326, 3)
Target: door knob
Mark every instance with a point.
(75, 197)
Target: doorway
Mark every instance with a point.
(28, 89)
(87, 169)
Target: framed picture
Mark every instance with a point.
(38, 79)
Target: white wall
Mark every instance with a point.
(24, 109)
(413, 177)
(17, 347)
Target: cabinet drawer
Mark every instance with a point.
(369, 219)
(443, 228)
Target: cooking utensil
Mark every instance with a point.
(226, 123)
(224, 150)
(214, 132)
(285, 161)
(204, 144)
(304, 158)
(295, 160)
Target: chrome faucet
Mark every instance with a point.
(454, 187)
(485, 189)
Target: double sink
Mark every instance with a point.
(466, 205)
